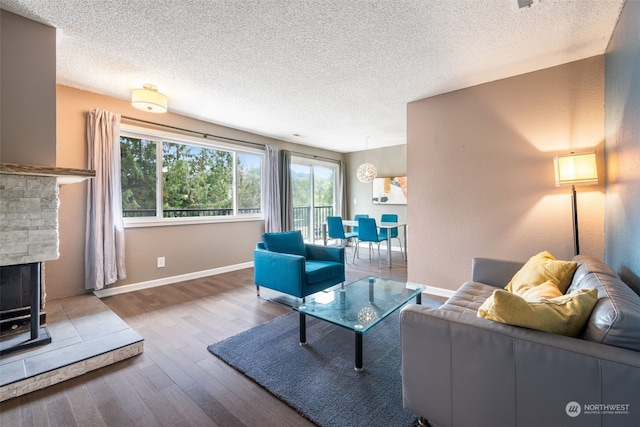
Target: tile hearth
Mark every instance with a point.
(86, 335)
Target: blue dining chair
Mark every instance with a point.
(368, 232)
(336, 230)
(394, 231)
(356, 217)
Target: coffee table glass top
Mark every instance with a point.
(360, 305)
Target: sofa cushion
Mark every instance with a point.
(586, 265)
(563, 315)
(468, 298)
(319, 271)
(286, 242)
(615, 320)
(539, 269)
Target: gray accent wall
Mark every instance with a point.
(28, 87)
(622, 146)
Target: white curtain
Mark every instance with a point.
(272, 219)
(104, 240)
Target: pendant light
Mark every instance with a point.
(366, 172)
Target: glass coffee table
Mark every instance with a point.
(358, 307)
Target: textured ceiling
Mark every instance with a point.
(334, 71)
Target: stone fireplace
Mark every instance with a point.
(28, 237)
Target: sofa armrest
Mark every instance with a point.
(506, 375)
(325, 253)
(278, 271)
(495, 272)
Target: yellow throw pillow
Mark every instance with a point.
(547, 290)
(564, 315)
(539, 269)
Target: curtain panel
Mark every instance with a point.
(272, 220)
(104, 240)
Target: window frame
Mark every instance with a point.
(159, 137)
(330, 164)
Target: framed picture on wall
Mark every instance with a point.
(389, 191)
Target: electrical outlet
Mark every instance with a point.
(160, 262)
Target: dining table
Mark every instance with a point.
(381, 226)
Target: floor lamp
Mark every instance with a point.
(575, 169)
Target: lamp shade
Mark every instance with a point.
(576, 169)
(149, 99)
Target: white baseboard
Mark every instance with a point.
(107, 292)
(441, 292)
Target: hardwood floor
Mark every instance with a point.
(176, 381)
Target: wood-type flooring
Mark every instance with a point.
(176, 381)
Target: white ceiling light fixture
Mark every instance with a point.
(366, 172)
(149, 99)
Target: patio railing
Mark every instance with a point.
(186, 213)
(301, 216)
(301, 220)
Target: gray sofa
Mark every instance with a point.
(462, 370)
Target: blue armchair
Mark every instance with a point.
(284, 263)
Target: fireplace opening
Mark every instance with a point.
(21, 313)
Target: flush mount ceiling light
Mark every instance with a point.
(149, 99)
(366, 172)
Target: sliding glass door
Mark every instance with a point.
(314, 195)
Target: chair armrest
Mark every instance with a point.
(278, 271)
(494, 272)
(325, 253)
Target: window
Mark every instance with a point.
(167, 179)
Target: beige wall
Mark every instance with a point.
(480, 167)
(28, 87)
(622, 222)
(187, 248)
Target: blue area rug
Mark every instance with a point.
(318, 380)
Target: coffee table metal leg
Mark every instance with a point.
(359, 367)
(303, 329)
(419, 298)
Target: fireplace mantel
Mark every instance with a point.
(63, 175)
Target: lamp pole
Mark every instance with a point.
(574, 206)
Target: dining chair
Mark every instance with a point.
(394, 231)
(368, 232)
(336, 230)
(355, 228)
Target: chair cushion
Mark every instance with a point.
(319, 271)
(286, 242)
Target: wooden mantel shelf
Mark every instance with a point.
(64, 175)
